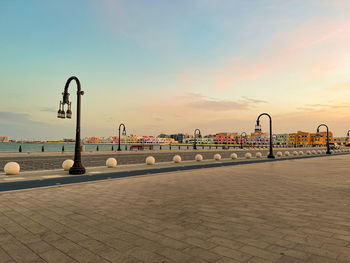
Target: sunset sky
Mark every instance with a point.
(163, 66)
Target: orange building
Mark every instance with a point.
(303, 138)
(320, 138)
(306, 138)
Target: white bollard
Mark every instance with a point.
(150, 160)
(319, 152)
(67, 164)
(295, 153)
(324, 151)
(258, 155)
(248, 155)
(12, 168)
(217, 157)
(198, 157)
(279, 154)
(301, 153)
(313, 152)
(308, 153)
(177, 159)
(233, 156)
(286, 153)
(111, 163)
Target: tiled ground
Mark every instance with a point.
(289, 211)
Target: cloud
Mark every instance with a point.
(48, 109)
(210, 104)
(20, 126)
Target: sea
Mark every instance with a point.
(12, 147)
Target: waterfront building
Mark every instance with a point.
(225, 138)
(179, 137)
(258, 138)
(292, 138)
(280, 139)
(320, 138)
(4, 139)
(303, 138)
(200, 140)
(341, 140)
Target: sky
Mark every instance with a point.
(163, 66)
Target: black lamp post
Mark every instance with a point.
(318, 130)
(245, 135)
(77, 167)
(124, 133)
(195, 138)
(258, 129)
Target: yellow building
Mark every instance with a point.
(292, 138)
(303, 138)
(320, 138)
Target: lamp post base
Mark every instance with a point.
(119, 149)
(271, 156)
(77, 170)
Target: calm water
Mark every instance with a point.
(68, 147)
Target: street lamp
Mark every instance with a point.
(195, 138)
(258, 129)
(77, 167)
(124, 133)
(245, 135)
(318, 130)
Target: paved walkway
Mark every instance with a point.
(288, 211)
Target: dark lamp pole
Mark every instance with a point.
(245, 135)
(318, 130)
(258, 129)
(124, 133)
(196, 132)
(77, 167)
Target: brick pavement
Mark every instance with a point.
(291, 211)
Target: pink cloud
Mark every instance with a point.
(314, 43)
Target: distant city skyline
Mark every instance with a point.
(173, 66)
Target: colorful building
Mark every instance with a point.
(225, 138)
(258, 138)
(280, 139)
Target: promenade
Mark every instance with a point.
(287, 212)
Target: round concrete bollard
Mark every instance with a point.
(308, 153)
(258, 155)
(301, 153)
(233, 156)
(67, 164)
(150, 160)
(177, 159)
(324, 151)
(198, 157)
(12, 168)
(217, 157)
(295, 153)
(286, 153)
(313, 152)
(111, 163)
(279, 154)
(319, 152)
(248, 155)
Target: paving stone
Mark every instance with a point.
(288, 211)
